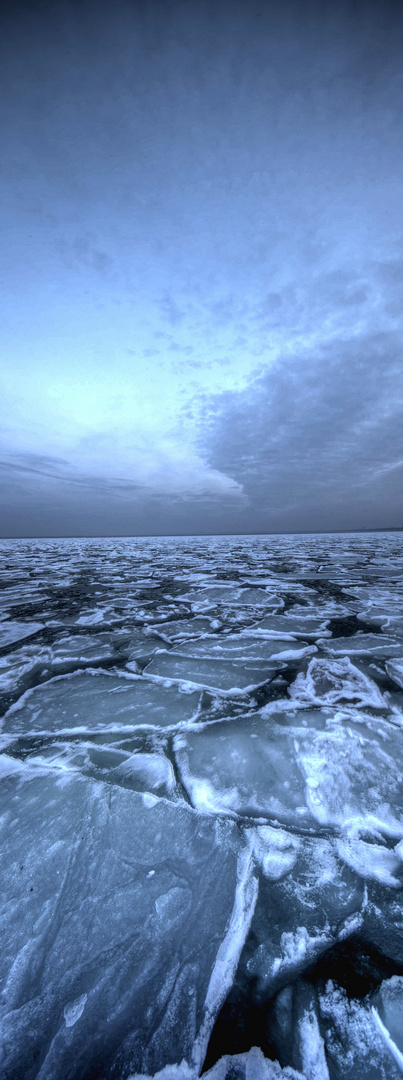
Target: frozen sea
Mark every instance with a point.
(201, 784)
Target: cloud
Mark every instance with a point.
(176, 347)
(31, 470)
(83, 251)
(317, 440)
(166, 470)
(171, 490)
(41, 464)
(171, 310)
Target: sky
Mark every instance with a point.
(201, 266)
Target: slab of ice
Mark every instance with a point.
(394, 624)
(389, 621)
(81, 648)
(94, 617)
(299, 949)
(98, 700)
(141, 771)
(17, 631)
(328, 682)
(389, 1042)
(213, 593)
(260, 598)
(11, 598)
(245, 647)
(308, 627)
(378, 597)
(275, 850)
(395, 670)
(388, 1002)
(67, 653)
(20, 665)
(9, 765)
(136, 645)
(353, 1041)
(298, 918)
(372, 861)
(176, 629)
(74, 1009)
(326, 608)
(102, 961)
(228, 595)
(245, 768)
(227, 676)
(354, 774)
(312, 1048)
(361, 645)
(373, 617)
(230, 950)
(152, 771)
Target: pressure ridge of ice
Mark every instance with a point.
(201, 808)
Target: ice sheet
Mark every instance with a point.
(353, 1039)
(96, 700)
(245, 647)
(308, 627)
(11, 632)
(328, 682)
(202, 814)
(354, 773)
(110, 926)
(228, 676)
(362, 645)
(243, 769)
(395, 670)
(153, 771)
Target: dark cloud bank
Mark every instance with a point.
(317, 441)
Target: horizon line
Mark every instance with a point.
(163, 536)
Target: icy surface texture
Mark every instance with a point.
(201, 808)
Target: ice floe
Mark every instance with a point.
(10, 632)
(95, 700)
(93, 946)
(224, 675)
(395, 670)
(328, 682)
(362, 645)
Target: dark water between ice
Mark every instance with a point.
(201, 813)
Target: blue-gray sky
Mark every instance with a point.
(201, 266)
